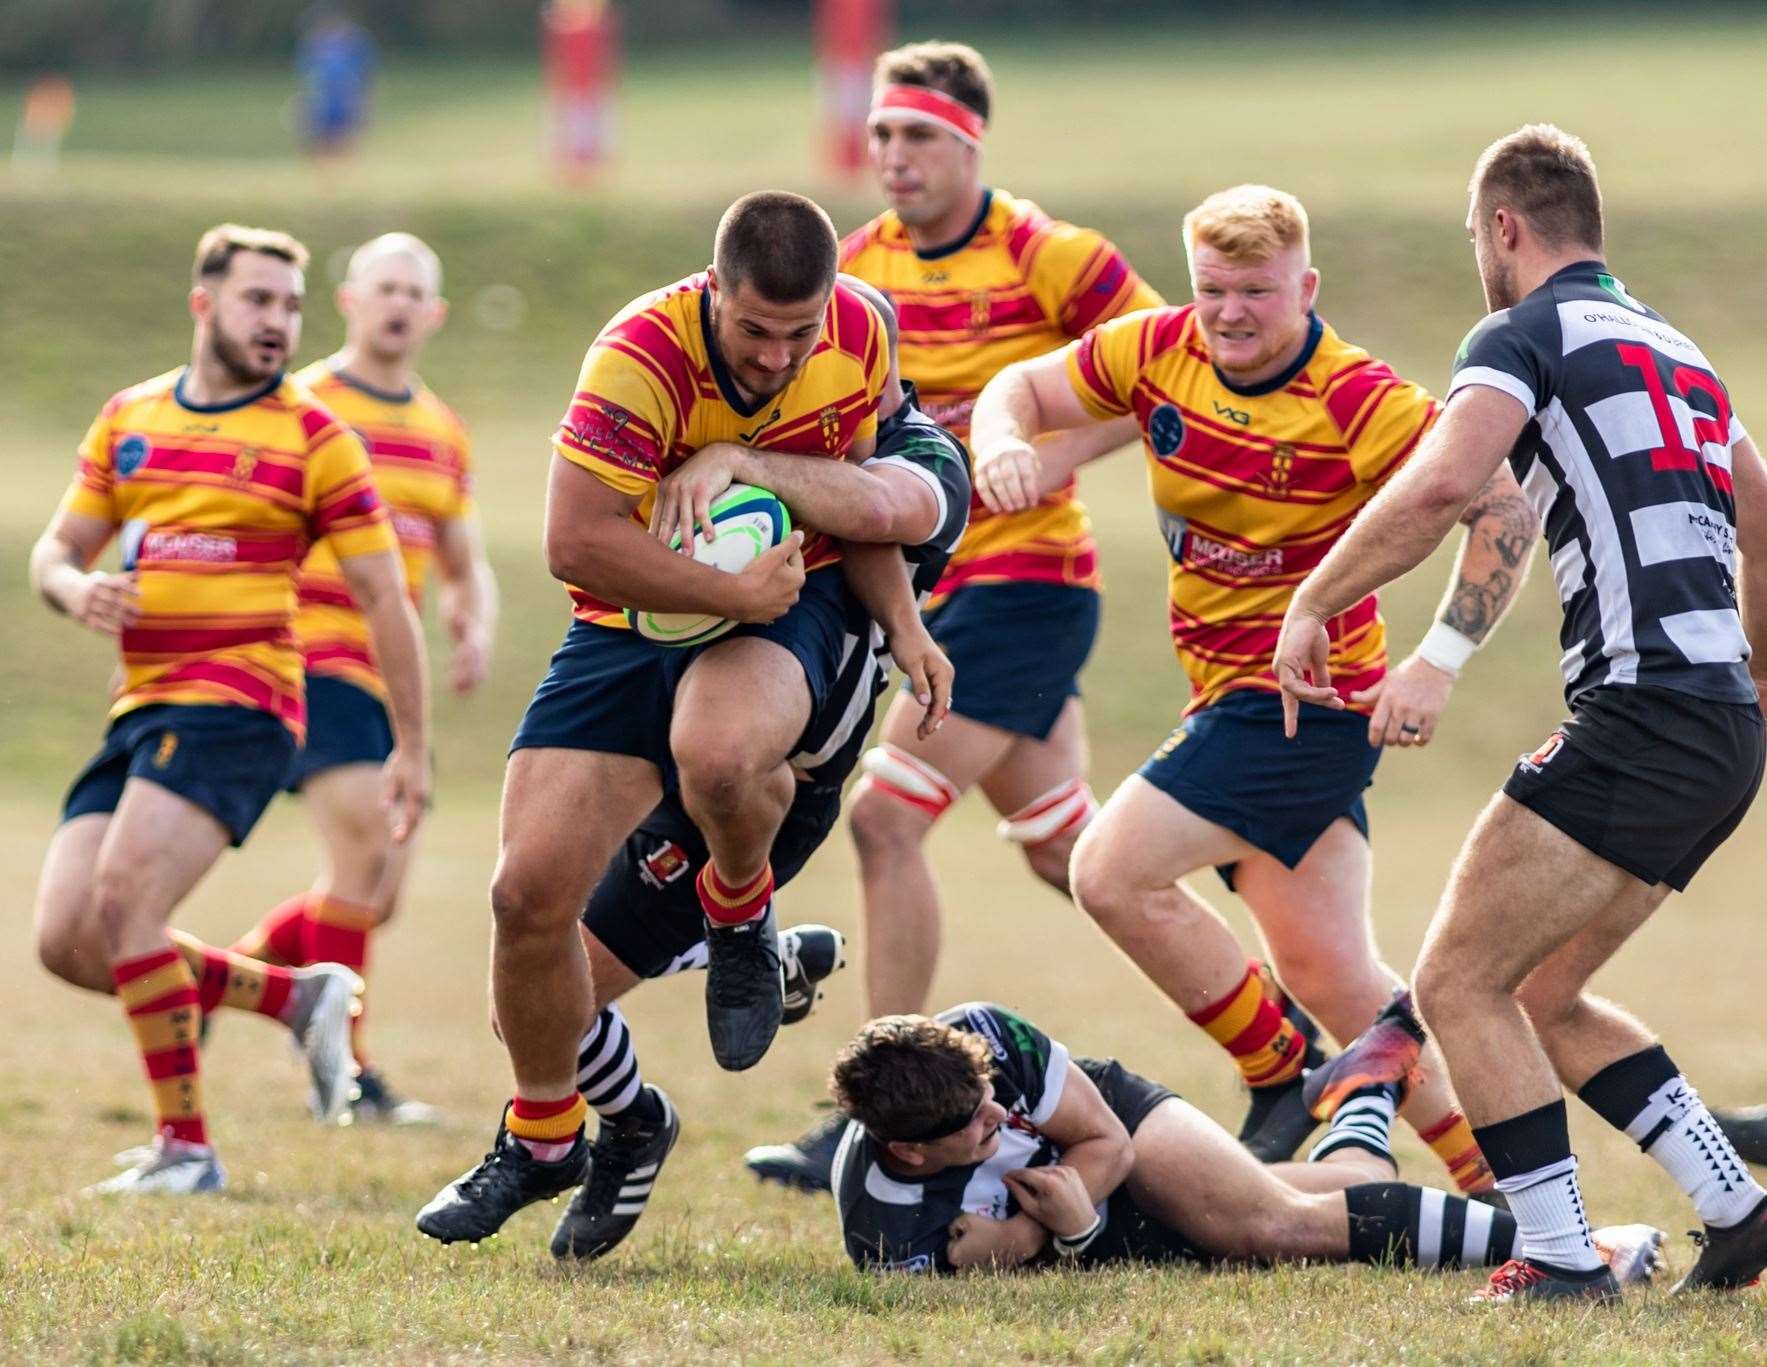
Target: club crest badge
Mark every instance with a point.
(1165, 429)
(130, 453)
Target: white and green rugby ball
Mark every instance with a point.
(749, 522)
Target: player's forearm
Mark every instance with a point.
(1751, 592)
(1006, 410)
(836, 497)
(469, 604)
(398, 654)
(1492, 566)
(617, 561)
(1103, 1163)
(878, 577)
(57, 572)
(1061, 454)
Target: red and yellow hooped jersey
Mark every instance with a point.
(653, 390)
(422, 464)
(1253, 485)
(1019, 284)
(217, 508)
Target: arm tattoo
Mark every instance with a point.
(1501, 529)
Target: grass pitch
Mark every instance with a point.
(311, 1255)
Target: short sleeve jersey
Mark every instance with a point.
(1627, 458)
(1018, 284)
(217, 506)
(653, 390)
(1253, 485)
(893, 1223)
(423, 472)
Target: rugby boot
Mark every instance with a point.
(166, 1167)
(1633, 1253)
(808, 954)
(376, 1103)
(1731, 1257)
(475, 1205)
(623, 1167)
(1387, 1051)
(1276, 1122)
(1746, 1129)
(745, 990)
(326, 999)
(807, 1163)
(1520, 1280)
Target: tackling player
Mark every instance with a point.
(1623, 435)
(980, 278)
(978, 1141)
(218, 477)
(1265, 434)
(391, 300)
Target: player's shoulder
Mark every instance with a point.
(1166, 334)
(435, 410)
(1349, 379)
(1003, 1030)
(1029, 232)
(1524, 327)
(318, 420)
(853, 324)
(659, 318)
(318, 376)
(884, 231)
(142, 391)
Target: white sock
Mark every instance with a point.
(1548, 1210)
(1693, 1150)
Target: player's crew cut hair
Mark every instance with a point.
(954, 69)
(780, 244)
(396, 244)
(905, 1074)
(1548, 177)
(1248, 223)
(220, 244)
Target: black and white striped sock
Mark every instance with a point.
(1405, 1224)
(1364, 1120)
(607, 1065)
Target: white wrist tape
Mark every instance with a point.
(1447, 649)
(1074, 1246)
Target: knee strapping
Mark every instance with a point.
(895, 772)
(1061, 811)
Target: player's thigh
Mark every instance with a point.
(1143, 839)
(565, 813)
(1314, 915)
(156, 848)
(744, 700)
(1192, 1175)
(962, 749)
(1032, 767)
(69, 940)
(1519, 890)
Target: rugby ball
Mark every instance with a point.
(749, 522)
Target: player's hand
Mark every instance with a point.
(1008, 476)
(929, 673)
(107, 603)
(1055, 1197)
(470, 662)
(1303, 666)
(684, 496)
(1407, 703)
(978, 1240)
(770, 585)
(404, 792)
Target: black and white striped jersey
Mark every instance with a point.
(1627, 459)
(891, 1222)
(910, 439)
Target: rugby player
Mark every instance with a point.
(764, 350)
(1265, 433)
(979, 1141)
(218, 476)
(1623, 435)
(980, 278)
(391, 300)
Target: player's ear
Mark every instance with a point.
(202, 303)
(712, 279)
(345, 298)
(908, 1155)
(438, 314)
(1309, 287)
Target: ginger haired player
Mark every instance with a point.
(1265, 434)
(391, 300)
(217, 477)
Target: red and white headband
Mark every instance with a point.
(921, 104)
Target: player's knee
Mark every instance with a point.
(1096, 880)
(1550, 1002)
(898, 800)
(1340, 987)
(717, 778)
(1048, 826)
(521, 903)
(68, 952)
(1438, 986)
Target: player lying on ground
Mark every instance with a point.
(1265, 433)
(218, 477)
(391, 300)
(1624, 437)
(977, 1141)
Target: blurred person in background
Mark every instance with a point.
(391, 300)
(336, 63)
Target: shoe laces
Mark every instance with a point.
(1514, 1276)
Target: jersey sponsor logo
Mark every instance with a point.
(663, 865)
(920, 1262)
(1232, 414)
(205, 547)
(935, 277)
(749, 438)
(413, 529)
(1205, 552)
(983, 1024)
(598, 430)
(130, 454)
(1165, 429)
(1537, 761)
(1619, 291)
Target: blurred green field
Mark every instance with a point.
(311, 1257)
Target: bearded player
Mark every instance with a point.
(217, 476)
(391, 300)
(979, 278)
(1621, 431)
(1265, 434)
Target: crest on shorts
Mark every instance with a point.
(1165, 429)
(663, 865)
(1537, 761)
(830, 418)
(167, 748)
(130, 453)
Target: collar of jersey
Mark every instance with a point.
(1315, 330)
(968, 234)
(268, 387)
(726, 385)
(343, 376)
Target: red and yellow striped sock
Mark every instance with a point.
(728, 906)
(338, 932)
(158, 992)
(224, 978)
(548, 1129)
(1452, 1139)
(281, 935)
(1249, 1024)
